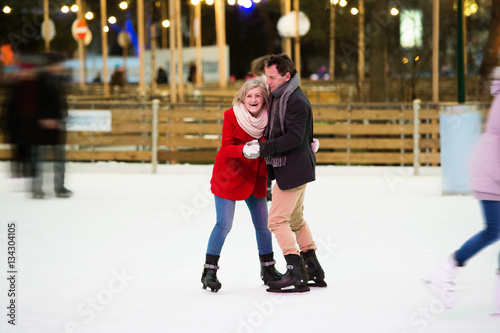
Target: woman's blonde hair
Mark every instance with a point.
(249, 85)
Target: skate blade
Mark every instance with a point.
(318, 284)
(293, 289)
(440, 294)
(214, 290)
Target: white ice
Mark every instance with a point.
(125, 254)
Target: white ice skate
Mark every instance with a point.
(441, 282)
(496, 295)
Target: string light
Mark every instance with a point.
(165, 23)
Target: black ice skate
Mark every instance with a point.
(267, 270)
(209, 276)
(294, 280)
(314, 270)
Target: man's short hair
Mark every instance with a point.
(283, 64)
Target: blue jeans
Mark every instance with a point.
(225, 214)
(491, 233)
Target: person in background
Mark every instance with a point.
(192, 72)
(484, 180)
(97, 78)
(51, 121)
(289, 152)
(19, 119)
(118, 77)
(161, 76)
(236, 178)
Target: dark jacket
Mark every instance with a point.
(53, 105)
(28, 102)
(20, 113)
(294, 143)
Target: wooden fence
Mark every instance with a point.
(349, 134)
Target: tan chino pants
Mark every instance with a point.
(286, 220)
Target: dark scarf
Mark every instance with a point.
(279, 101)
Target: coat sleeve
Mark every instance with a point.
(296, 117)
(231, 147)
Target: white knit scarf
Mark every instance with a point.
(254, 126)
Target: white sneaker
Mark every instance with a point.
(441, 282)
(496, 295)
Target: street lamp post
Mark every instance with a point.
(286, 43)
(180, 62)
(172, 28)
(220, 27)
(164, 16)
(460, 52)
(104, 32)
(296, 7)
(361, 45)
(81, 56)
(46, 23)
(435, 52)
(140, 31)
(197, 38)
(332, 41)
(153, 59)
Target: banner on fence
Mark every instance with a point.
(89, 120)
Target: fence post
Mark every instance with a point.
(154, 135)
(416, 137)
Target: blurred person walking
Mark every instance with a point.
(484, 180)
(19, 119)
(236, 178)
(289, 153)
(51, 120)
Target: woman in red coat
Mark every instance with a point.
(236, 178)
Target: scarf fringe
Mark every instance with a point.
(276, 162)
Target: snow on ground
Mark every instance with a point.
(125, 254)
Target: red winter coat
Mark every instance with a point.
(235, 177)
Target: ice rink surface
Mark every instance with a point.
(125, 255)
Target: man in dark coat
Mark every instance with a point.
(291, 163)
(51, 116)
